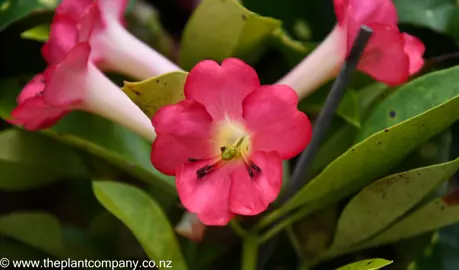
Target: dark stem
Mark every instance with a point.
(324, 119)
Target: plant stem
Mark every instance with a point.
(250, 252)
(234, 224)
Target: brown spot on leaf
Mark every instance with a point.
(386, 130)
(244, 17)
(135, 92)
(452, 198)
(392, 114)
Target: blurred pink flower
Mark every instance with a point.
(32, 112)
(113, 48)
(76, 84)
(390, 57)
(226, 141)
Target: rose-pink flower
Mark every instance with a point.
(226, 141)
(76, 84)
(113, 48)
(32, 112)
(390, 56)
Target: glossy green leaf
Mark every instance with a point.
(421, 96)
(45, 233)
(14, 250)
(38, 33)
(29, 228)
(383, 202)
(13, 10)
(143, 216)
(156, 92)
(219, 29)
(30, 160)
(98, 136)
(370, 264)
(433, 215)
(431, 103)
(438, 15)
(339, 141)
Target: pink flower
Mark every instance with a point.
(32, 111)
(76, 84)
(113, 48)
(390, 57)
(226, 141)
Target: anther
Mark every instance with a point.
(255, 167)
(205, 170)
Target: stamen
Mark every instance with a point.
(249, 170)
(207, 169)
(254, 166)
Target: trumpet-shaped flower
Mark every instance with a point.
(113, 48)
(32, 112)
(76, 84)
(390, 57)
(226, 141)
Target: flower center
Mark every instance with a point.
(234, 145)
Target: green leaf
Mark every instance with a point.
(156, 92)
(98, 136)
(59, 241)
(421, 96)
(219, 29)
(13, 10)
(30, 160)
(381, 203)
(143, 216)
(29, 229)
(433, 215)
(430, 99)
(370, 264)
(438, 15)
(14, 250)
(38, 33)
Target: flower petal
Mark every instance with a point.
(251, 196)
(385, 58)
(271, 115)
(208, 197)
(73, 8)
(32, 88)
(415, 49)
(184, 131)
(62, 38)
(112, 9)
(67, 84)
(364, 11)
(221, 89)
(34, 114)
